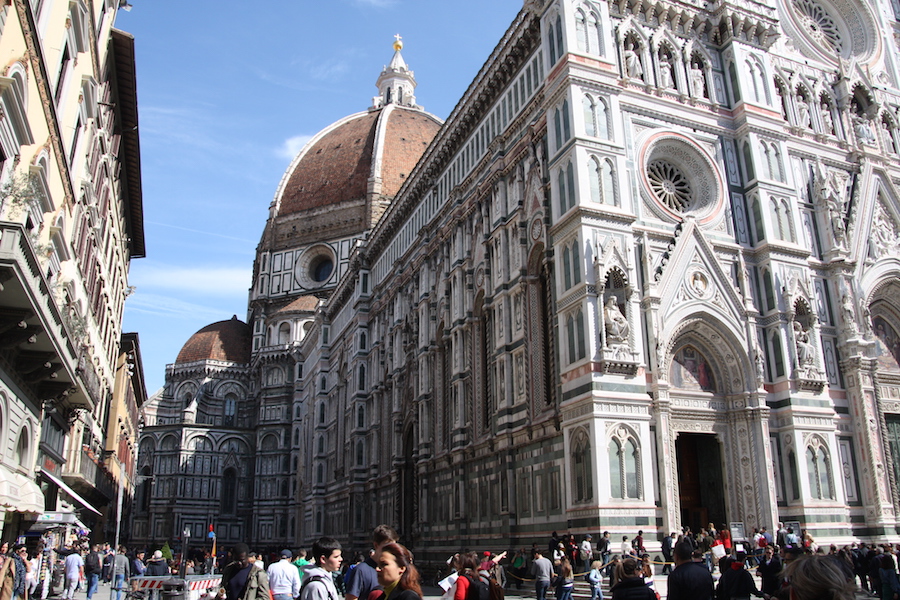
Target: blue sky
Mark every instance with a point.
(227, 94)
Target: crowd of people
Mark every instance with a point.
(784, 565)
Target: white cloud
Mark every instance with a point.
(168, 307)
(292, 146)
(207, 281)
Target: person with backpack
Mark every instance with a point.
(397, 574)
(93, 568)
(121, 571)
(243, 580)
(637, 544)
(318, 581)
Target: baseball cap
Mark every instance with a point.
(287, 554)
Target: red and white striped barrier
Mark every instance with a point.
(148, 583)
(193, 583)
(206, 582)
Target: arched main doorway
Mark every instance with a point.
(701, 486)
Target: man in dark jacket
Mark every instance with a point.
(668, 544)
(632, 586)
(736, 581)
(769, 570)
(689, 580)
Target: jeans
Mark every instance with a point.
(71, 584)
(564, 592)
(119, 585)
(283, 597)
(93, 579)
(604, 558)
(596, 592)
(540, 589)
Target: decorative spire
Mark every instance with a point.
(396, 84)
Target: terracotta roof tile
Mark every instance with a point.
(226, 341)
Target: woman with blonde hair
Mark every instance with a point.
(815, 577)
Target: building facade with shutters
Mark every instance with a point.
(644, 276)
(70, 222)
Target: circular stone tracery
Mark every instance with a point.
(819, 24)
(670, 185)
(680, 178)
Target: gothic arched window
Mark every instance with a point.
(819, 471)
(624, 468)
(229, 491)
(581, 468)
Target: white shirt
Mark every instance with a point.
(284, 578)
(626, 548)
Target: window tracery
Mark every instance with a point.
(624, 465)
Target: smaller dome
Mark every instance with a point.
(227, 341)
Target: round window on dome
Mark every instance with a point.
(315, 267)
(320, 269)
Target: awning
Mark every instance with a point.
(19, 493)
(69, 490)
(50, 520)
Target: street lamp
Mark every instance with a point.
(186, 536)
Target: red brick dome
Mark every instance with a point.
(225, 341)
(338, 163)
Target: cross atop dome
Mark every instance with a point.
(396, 84)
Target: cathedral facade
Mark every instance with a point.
(644, 276)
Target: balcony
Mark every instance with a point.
(89, 478)
(37, 338)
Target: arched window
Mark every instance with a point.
(819, 471)
(360, 453)
(296, 437)
(590, 127)
(567, 126)
(607, 183)
(229, 491)
(230, 409)
(320, 445)
(769, 290)
(596, 172)
(551, 43)
(361, 380)
(624, 468)
(557, 128)
(581, 468)
(576, 263)
(363, 341)
(561, 188)
(570, 336)
(145, 490)
(320, 473)
(284, 488)
(594, 34)
(567, 268)
(581, 30)
(777, 354)
(570, 184)
(284, 333)
(321, 412)
(22, 448)
(748, 162)
(361, 416)
(559, 37)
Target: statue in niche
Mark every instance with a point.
(760, 362)
(633, 66)
(803, 112)
(830, 191)
(862, 129)
(848, 315)
(616, 324)
(665, 73)
(805, 356)
(827, 119)
(698, 81)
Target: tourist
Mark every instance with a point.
(689, 580)
(397, 574)
(243, 580)
(631, 586)
(816, 578)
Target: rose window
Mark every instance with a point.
(670, 185)
(819, 24)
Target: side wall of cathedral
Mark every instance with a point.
(635, 283)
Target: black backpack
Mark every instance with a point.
(479, 588)
(92, 563)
